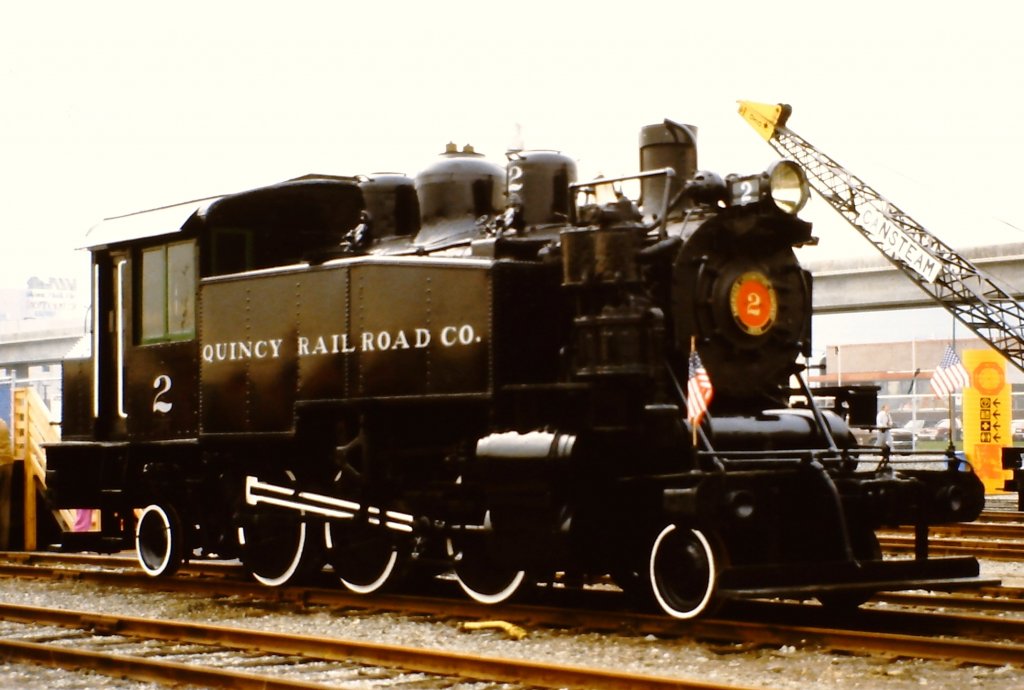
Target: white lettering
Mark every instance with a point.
(241, 350)
(897, 244)
(368, 341)
(401, 342)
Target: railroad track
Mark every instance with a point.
(968, 639)
(314, 662)
(996, 535)
(981, 548)
(200, 577)
(1001, 516)
(996, 599)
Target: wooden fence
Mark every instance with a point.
(32, 428)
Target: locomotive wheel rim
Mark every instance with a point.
(484, 581)
(343, 553)
(683, 572)
(157, 541)
(290, 569)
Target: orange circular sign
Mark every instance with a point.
(988, 378)
(753, 303)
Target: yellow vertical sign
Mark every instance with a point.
(987, 416)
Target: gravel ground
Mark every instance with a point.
(784, 667)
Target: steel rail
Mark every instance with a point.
(1001, 516)
(147, 669)
(884, 621)
(981, 530)
(986, 530)
(889, 644)
(992, 602)
(446, 663)
(209, 568)
(999, 551)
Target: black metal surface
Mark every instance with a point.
(407, 390)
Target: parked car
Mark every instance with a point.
(940, 432)
(903, 438)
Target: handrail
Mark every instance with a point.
(31, 429)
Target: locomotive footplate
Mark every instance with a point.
(810, 580)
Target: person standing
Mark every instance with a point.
(883, 423)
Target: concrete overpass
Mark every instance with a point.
(26, 344)
(840, 286)
(872, 283)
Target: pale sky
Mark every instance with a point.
(113, 107)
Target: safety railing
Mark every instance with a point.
(32, 428)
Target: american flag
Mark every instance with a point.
(698, 390)
(950, 375)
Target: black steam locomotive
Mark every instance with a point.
(486, 371)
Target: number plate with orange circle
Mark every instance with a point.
(753, 303)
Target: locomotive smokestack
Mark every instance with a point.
(666, 145)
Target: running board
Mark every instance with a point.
(257, 493)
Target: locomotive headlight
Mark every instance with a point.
(787, 186)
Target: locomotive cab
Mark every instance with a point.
(131, 410)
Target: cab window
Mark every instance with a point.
(168, 286)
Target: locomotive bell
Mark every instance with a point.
(665, 145)
(455, 191)
(538, 184)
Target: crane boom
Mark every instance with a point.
(975, 298)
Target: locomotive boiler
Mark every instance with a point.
(484, 371)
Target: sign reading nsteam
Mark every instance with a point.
(898, 245)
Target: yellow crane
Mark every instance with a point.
(976, 299)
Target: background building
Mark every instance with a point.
(902, 371)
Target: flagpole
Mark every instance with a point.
(693, 426)
(950, 376)
(952, 422)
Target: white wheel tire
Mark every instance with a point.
(370, 587)
(496, 597)
(289, 572)
(709, 589)
(169, 557)
(482, 597)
